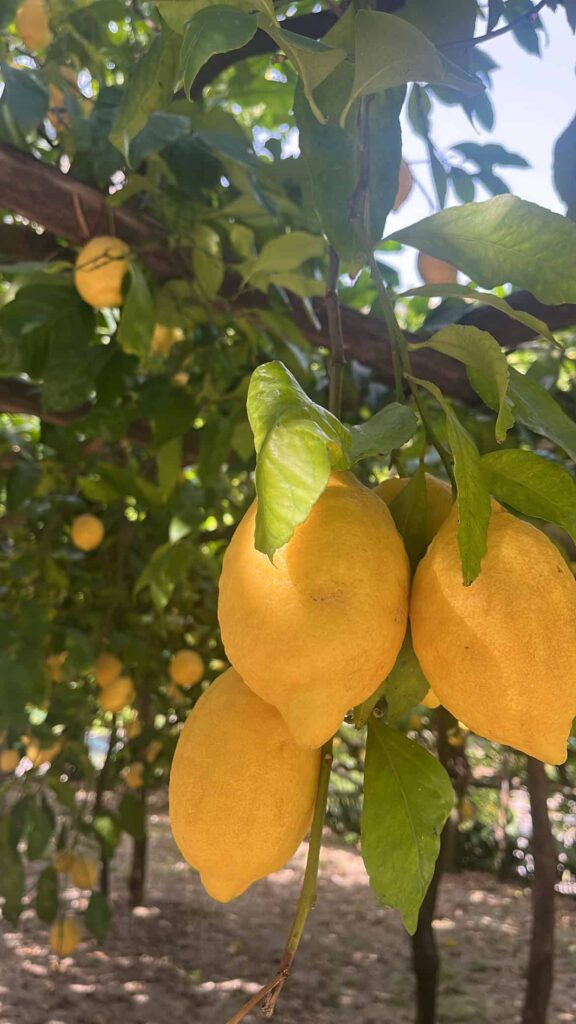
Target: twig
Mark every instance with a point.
(80, 215)
(337, 352)
(271, 991)
(476, 40)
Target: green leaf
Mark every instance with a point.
(408, 510)
(473, 497)
(217, 29)
(407, 798)
(138, 314)
(207, 261)
(167, 566)
(532, 485)
(287, 252)
(47, 896)
(313, 59)
(98, 916)
(389, 428)
(479, 351)
(536, 409)
(390, 52)
(406, 685)
(40, 829)
(333, 156)
(12, 877)
(442, 22)
(132, 816)
(25, 96)
(169, 462)
(22, 481)
(297, 444)
(465, 291)
(503, 240)
(107, 831)
(149, 88)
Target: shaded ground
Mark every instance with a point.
(187, 960)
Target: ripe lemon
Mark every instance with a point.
(62, 861)
(33, 24)
(117, 695)
(55, 663)
(164, 338)
(434, 271)
(100, 269)
(65, 937)
(405, 183)
(241, 791)
(108, 668)
(186, 668)
(439, 499)
(430, 700)
(87, 532)
(9, 760)
(133, 728)
(83, 873)
(43, 755)
(134, 775)
(315, 632)
(501, 653)
(152, 751)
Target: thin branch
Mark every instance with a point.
(337, 352)
(476, 40)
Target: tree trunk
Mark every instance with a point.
(541, 960)
(137, 880)
(502, 865)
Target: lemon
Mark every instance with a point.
(57, 114)
(405, 183)
(439, 499)
(152, 751)
(317, 630)
(164, 338)
(83, 872)
(43, 755)
(434, 271)
(501, 653)
(134, 775)
(133, 728)
(9, 760)
(100, 269)
(241, 791)
(87, 532)
(186, 668)
(33, 24)
(430, 700)
(65, 937)
(108, 668)
(117, 695)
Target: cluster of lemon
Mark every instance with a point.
(315, 631)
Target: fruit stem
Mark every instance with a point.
(268, 995)
(337, 352)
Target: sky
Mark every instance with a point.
(534, 100)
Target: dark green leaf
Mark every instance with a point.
(536, 409)
(22, 482)
(408, 509)
(98, 916)
(211, 30)
(150, 86)
(131, 815)
(47, 896)
(25, 95)
(490, 155)
(388, 429)
(503, 240)
(12, 878)
(406, 685)
(160, 131)
(297, 444)
(533, 486)
(169, 462)
(40, 829)
(407, 799)
(463, 185)
(138, 314)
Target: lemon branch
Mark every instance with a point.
(269, 993)
(337, 352)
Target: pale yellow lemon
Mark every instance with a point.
(186, 668)
(117, 695)
(100, 269)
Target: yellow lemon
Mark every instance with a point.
(431, 700)
(57, 114)
(62, 861)
(405, 183)
(33, 24)
(55, 663)
(117, 695)
(174, 694)
(9, 760)
(164, 338)
(152, 751)
(134, 775)
(501, 653)
(241, 791)
(133, 729)
(317, 630)
(83, 872)
(42, 755)
(434, 271)
(87, 532)
(65, 937)
(439, 499)
(108, 668)
(186, 668)
(100, 269)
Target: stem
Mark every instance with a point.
(271, 991)
(527, 16)
(337, 353)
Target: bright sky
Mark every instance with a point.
(534, 100)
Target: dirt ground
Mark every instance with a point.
(184, 959)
